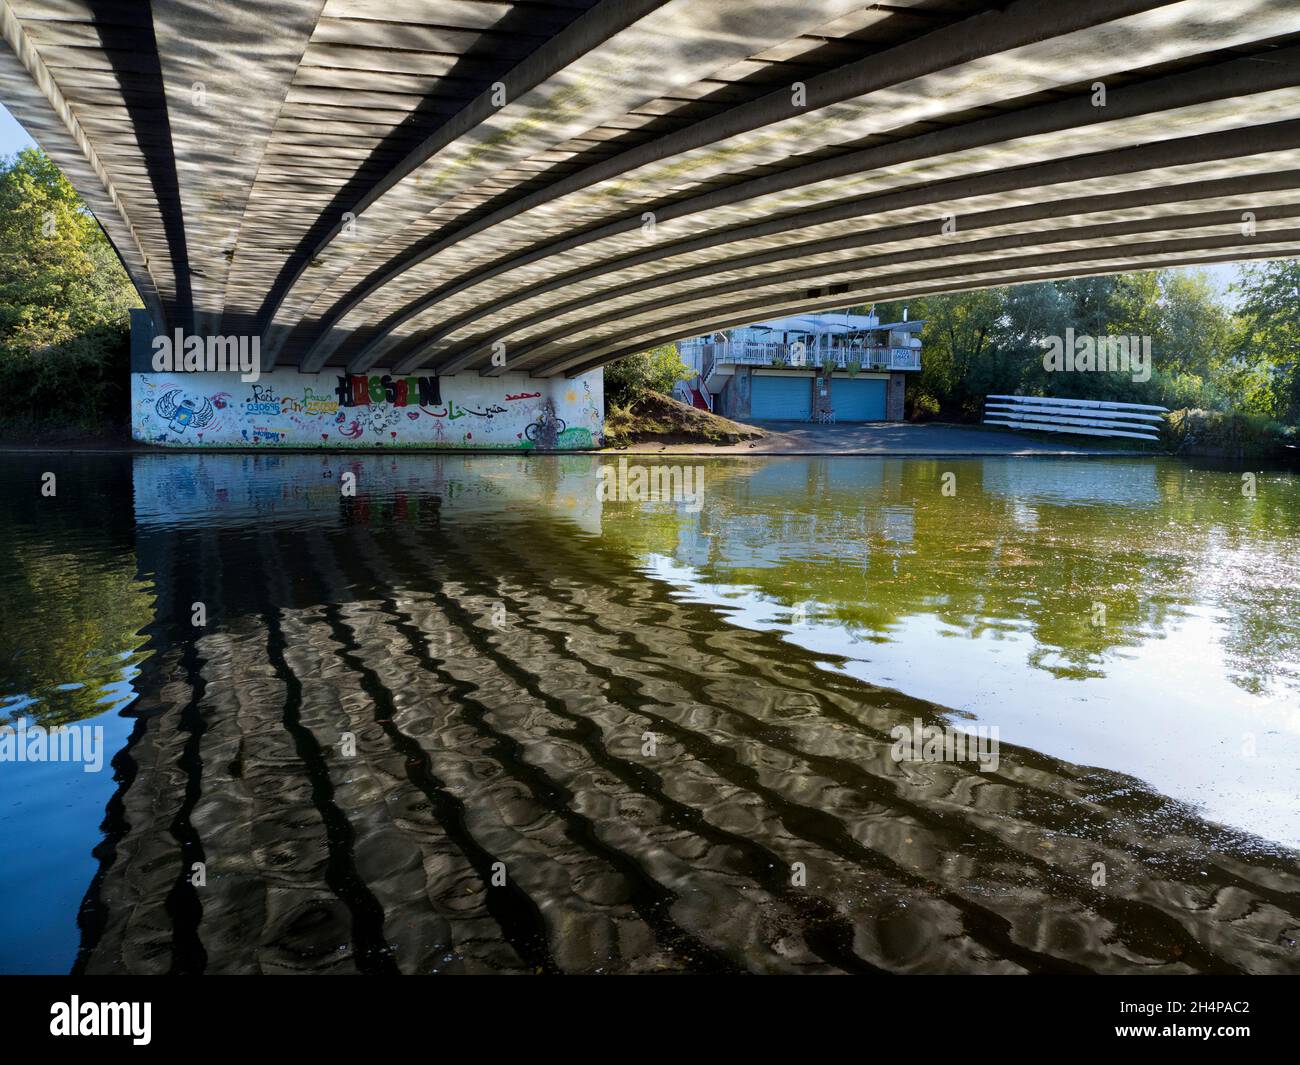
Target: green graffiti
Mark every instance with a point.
(574, 438)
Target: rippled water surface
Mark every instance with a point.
(477, 718)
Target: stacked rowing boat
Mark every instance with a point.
(1086, 417)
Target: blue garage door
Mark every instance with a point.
(780, 398)
(858, 400)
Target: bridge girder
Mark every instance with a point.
(413, 183)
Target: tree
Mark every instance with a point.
(992, 342)
(1195, 328)
(1265, 365)
(656, 370)
(64, 296)
(960, 330)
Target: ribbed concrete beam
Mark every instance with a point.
(491, 321)
(853, 261)
(225, 70)
(885, 169)
(1157, 209)
(1076, 244)
(561, 82)
(1152, 206)
(1053, 193)
(1045, 185)
(746, 313)
(1215, 240)
(617, 57)
(1089, 53)
(774, 124)
(402, 183)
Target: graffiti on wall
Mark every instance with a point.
(181, 413)
(286, 408)
(361, 391)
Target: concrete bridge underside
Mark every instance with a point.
(409, 185)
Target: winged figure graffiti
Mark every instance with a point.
(181, 415)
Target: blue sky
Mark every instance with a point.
(14, 138)
(1221, 276)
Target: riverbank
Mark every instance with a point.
(1216, 434)
(902, 439)
(670, 432)
(30, 435)
(899, 440)
(654, 419)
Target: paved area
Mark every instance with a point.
(884, 438)
(784, 438)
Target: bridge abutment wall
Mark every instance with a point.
(182, 401)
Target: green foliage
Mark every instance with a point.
(1264, 371)
(50, 640)
(960, 353)
(656, 370)
(64, 300)
(1232, 433)
(992, 341)
(921, 406)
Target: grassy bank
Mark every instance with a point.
(1217, 434)
(46, 434)
(654, 417)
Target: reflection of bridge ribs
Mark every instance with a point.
(523, 745)
(1025, 866)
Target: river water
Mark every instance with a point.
(479, 716)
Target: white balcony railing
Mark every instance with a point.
(739, 353)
